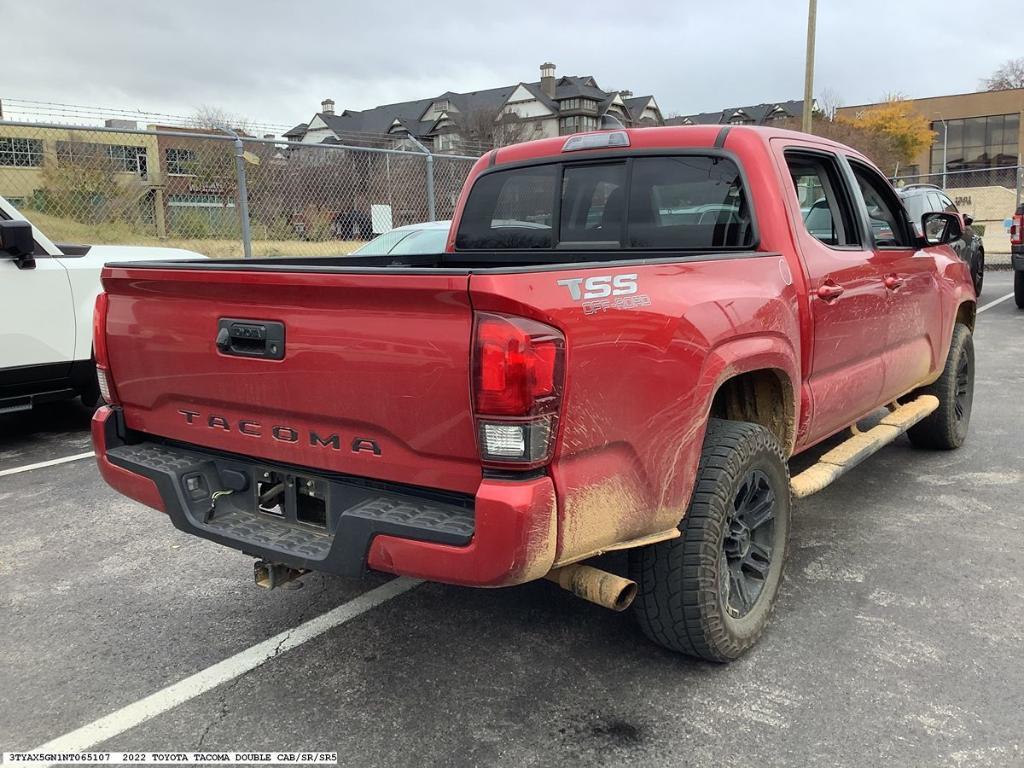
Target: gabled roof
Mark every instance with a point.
(758, 113)
(540, 96)
(417, 118)
(637, 104)
(569, 86)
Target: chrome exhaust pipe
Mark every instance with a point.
(601, 587)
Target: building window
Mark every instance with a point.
(445, 142)
(121, 158)
(576, 124)
(180, 162)
(440, 107)
(975, 143)
(587, 105)
(21, 153)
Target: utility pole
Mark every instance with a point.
(812, 13)
(945, 142)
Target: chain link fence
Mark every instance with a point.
(989, 195)
(221, 195)
(1005, 176)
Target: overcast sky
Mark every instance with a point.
(273, 62)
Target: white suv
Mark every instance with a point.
(47, 295)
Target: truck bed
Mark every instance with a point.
(451, 263)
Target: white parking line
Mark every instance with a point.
(991, 304)
(41, 464)
(234, 666)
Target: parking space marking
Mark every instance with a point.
(41, 464)
(234, 666)
(1000, 300)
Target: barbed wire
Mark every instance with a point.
(29, 110)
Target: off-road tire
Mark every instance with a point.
(945, 428)
(1018, 288)
(680, 603)
(978, 276)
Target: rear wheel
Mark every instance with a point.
(1018, 288)
(710, 592)
(978, 273)
(946, 427)
(90, 394)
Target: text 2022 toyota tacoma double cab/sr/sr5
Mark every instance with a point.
(47, 294)
(630, 333)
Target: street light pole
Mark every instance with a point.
(812, 13)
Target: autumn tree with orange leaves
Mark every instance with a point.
(907, 132)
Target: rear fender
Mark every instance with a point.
(772, 354)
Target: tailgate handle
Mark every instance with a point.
(250, 338)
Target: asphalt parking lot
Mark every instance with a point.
(898, 639)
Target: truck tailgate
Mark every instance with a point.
(374, 380)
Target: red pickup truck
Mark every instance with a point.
(630, 334)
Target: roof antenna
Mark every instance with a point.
(611, 123)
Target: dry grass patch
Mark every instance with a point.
(62, 230)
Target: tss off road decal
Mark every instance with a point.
(600, 293)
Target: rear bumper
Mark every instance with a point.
(504, 535)
(1017, 257)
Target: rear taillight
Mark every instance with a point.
(99, 347)
(1017, 230)
(518, 369)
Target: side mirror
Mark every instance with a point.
(17, 243)
(941, 228)
(968, 220)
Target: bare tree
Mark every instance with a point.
(208, 117)
(489, 127)
(1010, 74)
(829, 102)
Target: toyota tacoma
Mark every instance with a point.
(629, 335)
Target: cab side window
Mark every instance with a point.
(885, 213)
(824, 203)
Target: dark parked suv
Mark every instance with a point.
(926, 198)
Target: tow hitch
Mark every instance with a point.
(271, 575)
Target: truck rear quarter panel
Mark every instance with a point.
(640, 380)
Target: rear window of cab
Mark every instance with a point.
(677, 202)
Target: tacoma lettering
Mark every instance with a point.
(280, 432)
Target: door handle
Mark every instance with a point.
(830, 291)
(250, 338)
(892, 282)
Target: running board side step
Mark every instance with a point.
(860, 445)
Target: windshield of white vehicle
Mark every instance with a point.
(383, 244)
(422, 241)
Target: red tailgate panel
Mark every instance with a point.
(379, 362)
